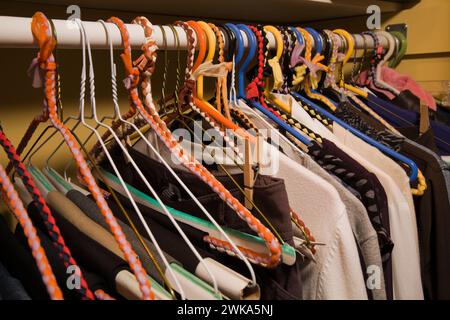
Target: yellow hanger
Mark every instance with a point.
(277, 73)
(275, 61)
(310, 82)
(350, 48)
(210, 53)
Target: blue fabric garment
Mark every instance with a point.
(402, 118)
(11, 288)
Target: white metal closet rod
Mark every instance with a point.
(15, 32)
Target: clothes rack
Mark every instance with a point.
(69, 35)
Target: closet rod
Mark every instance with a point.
(15, 32)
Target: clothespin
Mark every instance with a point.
(248, 175)
(424, 124)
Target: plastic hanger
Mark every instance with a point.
(330, 81)
(350, 44)
(217, 116)
(379, 82)
(252, 43)
(209, 56)
(311, 79)
(318, 41)
(372, 142)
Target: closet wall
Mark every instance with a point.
(428, 56)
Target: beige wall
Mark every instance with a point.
(428, 55)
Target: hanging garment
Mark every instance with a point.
(400, 82)
(10, 287)
(431, 210)
(269, 195)
(403, 224)
(363, 231)
(20, 263)
(88, 206)
(303, 190)
(401, 118)
(61, 272)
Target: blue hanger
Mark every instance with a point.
(248, 59)
(252, 46)
(318, 41)
(298, 35)
(359, 134)
(239, 42)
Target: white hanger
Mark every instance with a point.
(391, 42)
(164, 162)
(150, 188)
(85, 42)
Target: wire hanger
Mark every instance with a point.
(86, 44)
(45, 62)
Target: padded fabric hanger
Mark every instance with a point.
(152, 117)
(350, 44)
(86, 44)
(45, 65)
(150, 50)
(310, 80)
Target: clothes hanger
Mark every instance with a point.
(146, 89)
(210, 53)
(311, 80)
(191, 294)
(342, 90)
(207, 109)
(86, 44)
(372, 142)
(125, 281)
(148, 98)
(350, 44)
(45, 62)
(148, 58)
(252, 33)
(153, 119)
(378, 81)
(390, 152)
(285, 110)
